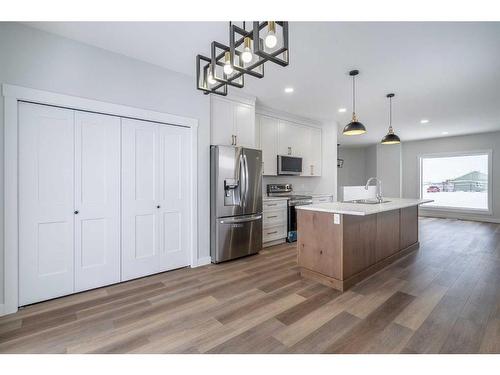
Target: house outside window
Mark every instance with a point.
(457, 181)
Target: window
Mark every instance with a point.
(458, 181)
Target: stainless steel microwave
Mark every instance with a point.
(289, 165)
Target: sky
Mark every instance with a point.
(441, 169)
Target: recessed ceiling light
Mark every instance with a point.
(288, 90)
(444, 133)
(342, 110)
(424, 121)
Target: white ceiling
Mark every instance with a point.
(446, 72)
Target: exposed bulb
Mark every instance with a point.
(270, 41)
(246, 55)
(210, 79)
(228, 68)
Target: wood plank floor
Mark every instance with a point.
(445, 298)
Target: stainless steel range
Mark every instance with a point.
(294, 200)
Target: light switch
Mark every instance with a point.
(336, 218)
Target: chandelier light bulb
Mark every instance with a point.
(246, 55)
(270, 39)
(210, 78)
(228, 68)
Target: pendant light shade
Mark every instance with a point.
(354, 127)
(390, 138)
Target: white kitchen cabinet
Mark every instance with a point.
(290, 138)
(311, 162)
(269, 144)
(232, 123)
(222, 122)
(274, 222)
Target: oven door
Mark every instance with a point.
(289, 165)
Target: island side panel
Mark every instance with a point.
(409, 226)
(319, 242)
(388, 236)
(360, 234)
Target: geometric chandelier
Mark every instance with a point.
(247, 52)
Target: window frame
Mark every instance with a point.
(489, 153)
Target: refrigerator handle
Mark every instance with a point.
(245, 162)
(244, 219)
(243, 180)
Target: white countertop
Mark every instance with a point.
(363, 209)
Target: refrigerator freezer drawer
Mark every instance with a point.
(237, 237)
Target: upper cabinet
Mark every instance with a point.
(233, 122)
(268, 143)
(282, 137)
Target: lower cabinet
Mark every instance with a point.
(101, 200)
(274, 223)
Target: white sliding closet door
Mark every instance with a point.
(155, 198)
(140, 187)
(46, 192)
(97, 200)
(174, 197)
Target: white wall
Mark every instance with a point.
(484, 141)
(327, 183)
(35, 59)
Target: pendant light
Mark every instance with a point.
(390, 138)
(354, 127)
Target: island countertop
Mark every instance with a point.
(360, 209)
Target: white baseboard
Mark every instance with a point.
(447, 215)
(201, 262)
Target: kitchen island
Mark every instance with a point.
(342, 243)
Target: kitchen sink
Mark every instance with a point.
(366, 201)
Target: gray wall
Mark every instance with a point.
(484, 141)
(361, 163)
(353, 171)
(35, 59)
(389, 169)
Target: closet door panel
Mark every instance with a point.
(140, 190)
(174, 212)
(46, 198)
(97, 200)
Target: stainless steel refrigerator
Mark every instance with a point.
(235, 202)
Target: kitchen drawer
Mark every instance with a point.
(272, 218)
(274, 233)
(274, 205)
(324, 199)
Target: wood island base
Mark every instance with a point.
(341, 253)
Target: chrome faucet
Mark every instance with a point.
(379, 187)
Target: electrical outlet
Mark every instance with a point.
(336, 218)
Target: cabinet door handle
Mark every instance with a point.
(289, 151)
(235, 140)
(272, 232)
(271, 217)
(272, 204)
(232, 140)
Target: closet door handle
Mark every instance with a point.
(158, 206)
(76, 212)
